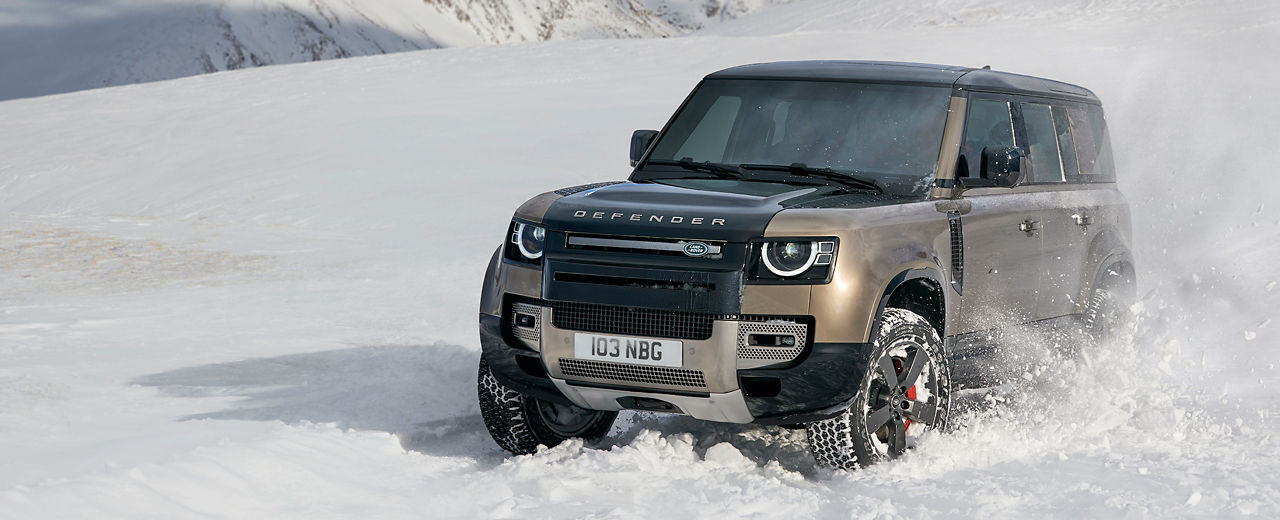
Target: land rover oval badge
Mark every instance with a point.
(696, 249)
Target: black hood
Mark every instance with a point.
(712, 209)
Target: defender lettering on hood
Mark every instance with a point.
(640, 217)
(666, 211)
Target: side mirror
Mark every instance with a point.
(1002, 165)
(640, 141)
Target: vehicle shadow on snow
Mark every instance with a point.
(423, 394)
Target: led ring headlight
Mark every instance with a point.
(790, 257)
(530, 239)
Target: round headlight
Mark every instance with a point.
(530, 239)
(789, 258)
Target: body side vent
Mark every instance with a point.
(957, 251)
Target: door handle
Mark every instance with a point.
(1028, 226)
(1082, 219)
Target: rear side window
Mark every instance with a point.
(1093, 143)
(1042, 137)
(990, 125)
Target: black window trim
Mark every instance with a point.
(1092, 179)
(1020, 134)
(1026, 138)
(975, 166)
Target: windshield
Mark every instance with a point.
(888, 132)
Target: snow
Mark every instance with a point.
(252, 294)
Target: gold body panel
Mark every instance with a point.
(876, 244)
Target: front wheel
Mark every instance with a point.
(904, 392)
(520, 423)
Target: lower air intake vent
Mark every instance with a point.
(632, 373)
(611, 319)
(752, 353)
(526, 323)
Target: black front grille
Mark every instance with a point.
(609, 319)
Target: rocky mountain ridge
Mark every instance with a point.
(54, 47)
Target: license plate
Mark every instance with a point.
(623, 349)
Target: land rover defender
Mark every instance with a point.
(822, 244)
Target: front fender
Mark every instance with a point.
(491, 291)
(880, 248)
(931, 273)
(503, 276)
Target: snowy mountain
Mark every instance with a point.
(52, 47)
(253, 294)
(865, 15)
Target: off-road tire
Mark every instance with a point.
(519, 425)
(844, 441)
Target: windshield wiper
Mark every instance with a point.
(747, 172)
(843, 179)
(723, 171)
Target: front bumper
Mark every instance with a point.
(818, 383)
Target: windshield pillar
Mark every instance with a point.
(944, 182)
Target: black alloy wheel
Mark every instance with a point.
(904, 393)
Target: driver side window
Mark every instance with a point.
(990, 125)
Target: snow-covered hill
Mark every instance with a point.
(51, 47)
(253, 294)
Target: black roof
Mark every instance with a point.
(965, 78)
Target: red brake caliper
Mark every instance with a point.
(911, 392)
